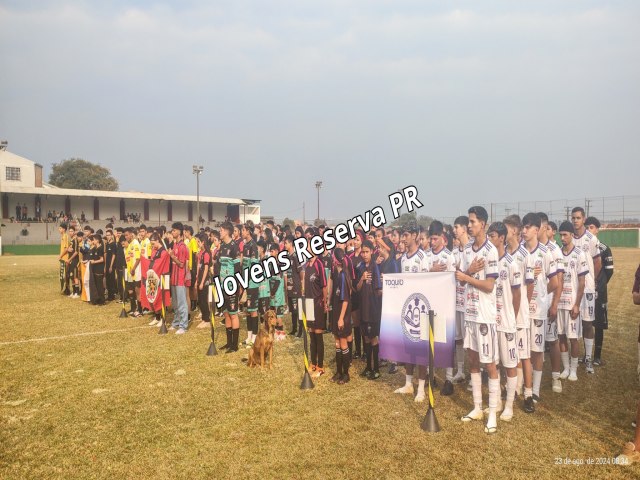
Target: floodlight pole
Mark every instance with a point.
(318, 187)
(197, 170)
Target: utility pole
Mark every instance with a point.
(587, 204)
(568, 212)
(318, 187)
(303, 215)
(197, 171)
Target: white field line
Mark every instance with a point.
(62, 337)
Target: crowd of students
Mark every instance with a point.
(519, 294)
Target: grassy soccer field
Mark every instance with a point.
(85, 394)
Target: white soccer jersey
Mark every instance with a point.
(521, 256)
(539, 304)
(443, 256)
(575, 265)
(480, 307)
(460, 288)
(415, 263)
(589, 245)
(556, 253)
(509, 278)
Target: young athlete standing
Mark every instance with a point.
(179, 255)
(315, 293)
(202, 279)
(341, 316)
(277, 287)
(249, 258)
(294, 287)
(229, 266)
(586, 242)
(544, 272)
(576, 268)
(508, 297)
(461, 234)
(601, 322)
(440, 259)
(523, 335)
(413, 260)
(479, 272)
(369, 286)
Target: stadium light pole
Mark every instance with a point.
(318, 187)
(197, 171)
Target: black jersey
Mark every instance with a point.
(314, 280)
(370, 301)
(294, 282)
(229, 259)
(109, 252)
(606, 272)
(95, 253)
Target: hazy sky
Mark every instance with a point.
(470, 101)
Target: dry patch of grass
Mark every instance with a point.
(133, 404)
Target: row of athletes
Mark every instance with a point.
(517, 292)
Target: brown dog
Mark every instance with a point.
(263, 344)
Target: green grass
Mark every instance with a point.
(114, 405)
(30, 249)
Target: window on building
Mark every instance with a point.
(13, 173)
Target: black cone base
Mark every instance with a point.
(307, 383)
(123, 314)
(212, 350)
(430, 422)
(163, 329)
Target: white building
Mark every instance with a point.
(21, 185)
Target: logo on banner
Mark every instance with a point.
(416, 309)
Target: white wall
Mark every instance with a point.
(27, 170)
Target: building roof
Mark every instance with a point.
(51, 190)
(9, 158)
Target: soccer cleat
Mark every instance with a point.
(345, 379)
(172, 327)
(447, 388)
(393, 368)
(573, 376)
(556, 385)
(365, 372)
(181, 331)
(536, 398)
(564, 374)
(599, 362)
(588, 365)
(154, 323)
(319, 372)
(475, 414)
(405, 389)
(528, 406)
(419, 397)
(458, 378)
(249, 346)
(506, 415)
(336, 378)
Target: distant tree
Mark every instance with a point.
(406, 218)
(83, 175)
(291, 223)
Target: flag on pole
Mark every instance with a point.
(404, 330)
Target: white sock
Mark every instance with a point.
(408, 380)
(460, 357)
(555, 375)
(588, 348)
(574, 364)
(476, 388)
(449, 374)
(528, 392)
(537, 378)
(511, 391)
(519, 379)
(494, 393)
(565, 360)
(421, 386)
